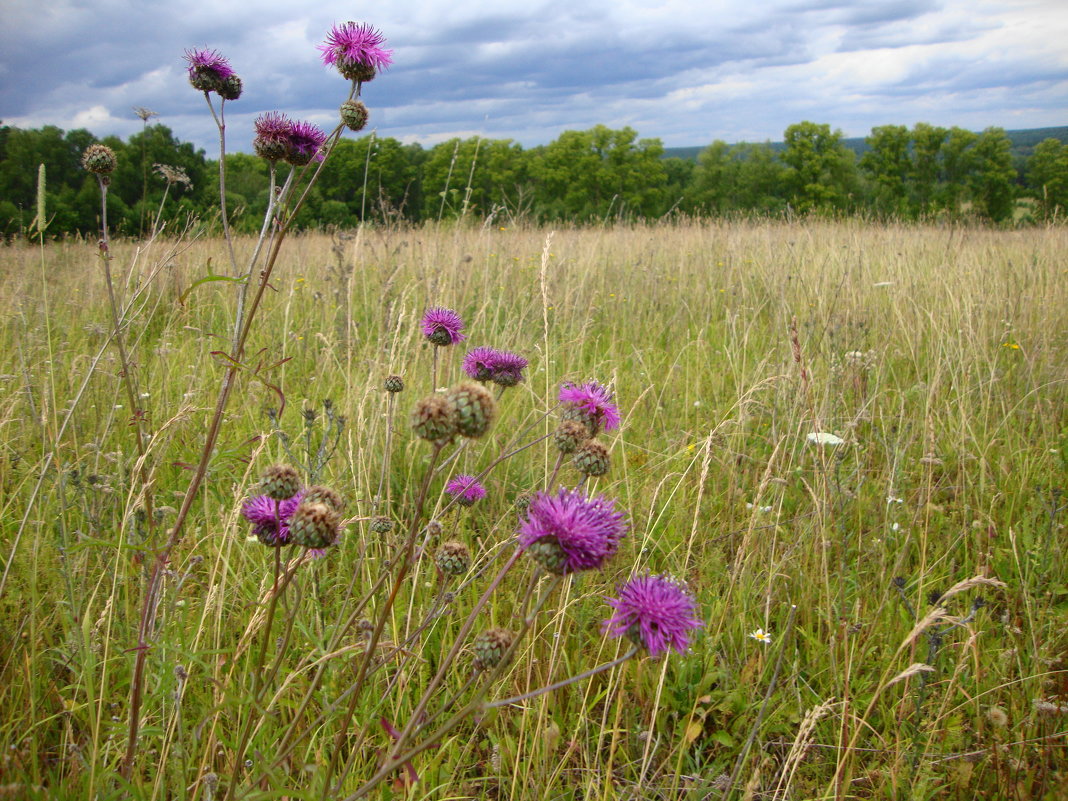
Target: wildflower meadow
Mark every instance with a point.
(770, 508)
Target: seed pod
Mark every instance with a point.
(99, 159)
(434, 418)
(394, 383)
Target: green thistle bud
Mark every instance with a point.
(489, 647)
(394, 383)
(579, 415)
(569, 435)
(354, 115)
(475, 409)
(354, 70)
(280, 482)
(435, 419)
(548, 553)
(99, 159)
(324, 495)
(453, 558)
(204, 79)
(230, 88)
(381, 525)
(592, 458)
(314, 525)
(270, 149)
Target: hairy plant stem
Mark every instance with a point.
(243, 328)
(257, 670)
(382, 614)
(220, 122)
(397, 759)
(563, 682)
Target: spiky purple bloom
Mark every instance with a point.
(479, 363)
(586, 530)
(305, 143)
(442, 326)
(273, 131)
(357, 43)
(260, 511)
(207, 68)
(508, 368)
(594, 400)
(655, 611)
(466, 488)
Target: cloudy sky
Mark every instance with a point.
(686, 71)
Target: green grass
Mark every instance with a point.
(937, 354)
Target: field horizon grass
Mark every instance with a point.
(849, 439)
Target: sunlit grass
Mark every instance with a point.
(937, 356)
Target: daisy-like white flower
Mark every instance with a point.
(761, 636)
(356, 50)
(442, 326)
(260, 511)
(466, 489)
(568, 532)
(656, 612)
(591, 404)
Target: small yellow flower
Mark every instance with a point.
(1010, 345)
(761, 636)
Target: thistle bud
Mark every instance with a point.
(325, 496)
(453, 558)
(314, 525)
(435, 419)
(280, 482)
(381, 525)
(592, 458)
(230, 88)
(354, 115)
(548, 553)
(475, 409)
(394, 384)
(569, 435)
(99, 159)
(490, 647)
(354, 70)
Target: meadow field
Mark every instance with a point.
(848, 439)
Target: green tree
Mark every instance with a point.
(889, 167)
(822, 172)
(927, 141)
(714, 179)
(992, 179)
(598, 173)
(957, 161)
(474, 176)
(1047, 177)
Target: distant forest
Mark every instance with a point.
(596, 175)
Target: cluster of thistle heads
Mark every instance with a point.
(564, 532)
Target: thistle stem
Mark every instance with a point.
(562, 683)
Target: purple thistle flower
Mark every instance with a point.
(305, 143)
(578, 532)
(273, 131)
(260, 511)
(655, 611)
(442, 326)
(207, 69)
(593, 401)
(467, 489)
(508, 368)
(355, 44)
(480, 362)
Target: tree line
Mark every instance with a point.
(600, 174)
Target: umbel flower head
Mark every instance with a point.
(569, 531)
(442, 326)
(590, 403)
(356, 50)
(208, 69)
(270, 529)
(466, 489)
(656, 612)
